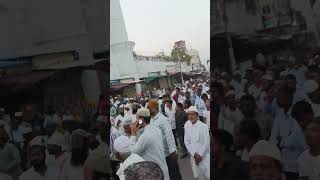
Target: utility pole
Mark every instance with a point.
(182, 81)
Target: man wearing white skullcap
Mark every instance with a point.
(57, 147)
(150, 144)
(265, 162)
(199, 148)
(39, 170)
(123, 153)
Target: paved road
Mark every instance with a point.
(185, 169)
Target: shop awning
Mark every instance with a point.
(149, 79)
(118, 86)
(7, 64)
(29, 78)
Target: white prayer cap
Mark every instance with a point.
(37, 141)
(127, 120)
(310, 86)
(80, 132)
(103, 119)
(58, 140)
(18, 114)
(267, 77)
(237, 73)
(230, 92)
(206, 89)
(122, 144)
(160, 95)
(127, 106)
(121, 106)
(131, 99)
(265, 148)
(67, 118)
(193, 109)
(283, 73)
(26, 130)
(143, 112)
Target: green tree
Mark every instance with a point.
(178, 54)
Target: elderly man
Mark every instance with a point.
(170, 148)
(149, 145)
(144, 170)
(265, 162)
(122, 148)
(39, 170)
(197, 141)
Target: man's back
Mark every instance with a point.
(150, 147)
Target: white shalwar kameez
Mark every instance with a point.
(197, 140)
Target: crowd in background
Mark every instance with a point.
(268, 120)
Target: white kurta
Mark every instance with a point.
(309, 166)
(171, 117)
(133, 158)
(52, 173)
(150, 147)
(197, 140)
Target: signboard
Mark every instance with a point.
(128, 80)
(51, 61)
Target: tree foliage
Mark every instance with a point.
(179, 54)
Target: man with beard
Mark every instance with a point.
(39, 169)
(312, 89)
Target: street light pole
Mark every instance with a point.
(182, 81)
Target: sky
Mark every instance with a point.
(155, 25)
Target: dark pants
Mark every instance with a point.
(291, 176)
(181, 139)
(175, 136)
(173, 167)
(115, 167)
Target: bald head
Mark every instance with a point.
(153, 107)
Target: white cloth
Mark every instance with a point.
(292, 144)
(181, 99)
(133, 158)
(122, 144)
(120, 119)
(228, 119)
(199, 103)
(150, 147)
(309, 166)
(171, 117)
(197, 140)
(174, 104)
(70, 172)
(52, 173)
(206, 115)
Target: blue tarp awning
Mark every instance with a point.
(6, 64)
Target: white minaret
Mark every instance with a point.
(121, 50)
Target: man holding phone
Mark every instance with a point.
(149, 145)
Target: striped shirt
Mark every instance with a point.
(163, 124)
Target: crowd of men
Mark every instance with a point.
(128, 138)
(268, 120)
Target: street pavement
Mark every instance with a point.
(185, 166)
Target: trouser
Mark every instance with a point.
(292, 176)
(181, 139)
(173, 167)
(115, 167)
(174, 131)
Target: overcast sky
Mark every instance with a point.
(156, 24)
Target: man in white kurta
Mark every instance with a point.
(197, 141)
(149, 145)
(122, 148)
